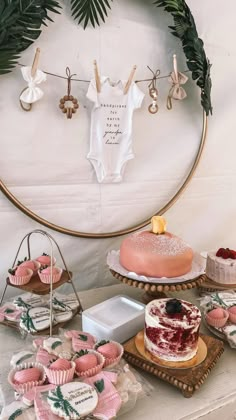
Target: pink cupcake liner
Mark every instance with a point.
(232, 314)
(217, 321)
(20, 280)
(46, 278)
(115, 361)
(96, 369)
(60, 377)
(23, 388)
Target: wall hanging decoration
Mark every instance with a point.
(92, 12)
(176, 79)
(111, 125)
(69, 104)
(32, 93)
(153, 92)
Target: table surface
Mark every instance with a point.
(215, 400)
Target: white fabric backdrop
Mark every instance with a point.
(43, 155)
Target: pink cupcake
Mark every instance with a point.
(45, 259)
(111, 351)
(88, 363)
(45, 274)
(20, 275)
(32, 264)
(217, 318)
(232, 314)
(26, 376)
(60, 372)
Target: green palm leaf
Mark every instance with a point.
(20, 26)
(90, 11)
(184, 28)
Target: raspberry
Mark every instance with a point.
(220, 252)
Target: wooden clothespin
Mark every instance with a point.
(97, 78)
(129, 81)
(35, 62)
(175, 67)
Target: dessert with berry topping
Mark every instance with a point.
(221, 266)
(156, 253)
(171, 329)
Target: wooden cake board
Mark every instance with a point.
(188, 380)
(209, 286)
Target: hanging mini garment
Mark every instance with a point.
(32, 93)
(176, 79)
(111, 127)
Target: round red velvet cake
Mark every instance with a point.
(172, 329)
(156, 255)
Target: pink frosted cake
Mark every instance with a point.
(156, 253)
(172, 329)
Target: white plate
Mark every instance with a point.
(113, 261)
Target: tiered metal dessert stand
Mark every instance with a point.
(37, 287)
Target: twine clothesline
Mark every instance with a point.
(88, 81)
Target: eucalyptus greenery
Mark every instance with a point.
(21, 21)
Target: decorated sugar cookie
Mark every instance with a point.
(44, 357)
(109, 400)
(80, 340)
(23, 356)
(28, 300)
(55, 345)
(9, 312)
(28, 397)
(17, 410)
(67, 300)
(63, 316)
(35, 319)
(73, 400)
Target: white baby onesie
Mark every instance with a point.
(111, 127)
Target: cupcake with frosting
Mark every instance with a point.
(88, 363)
(111, 351)
(26, 376)
(20, 275)
(45, 273)
(60, 372)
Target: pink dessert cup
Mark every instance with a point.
(60, 377)
(113, 361)
(21, 280)
(93, 371)
(217, 318)
(46, 278)
(36, 264)
(232, 314)
(46, 261)
(22, 388)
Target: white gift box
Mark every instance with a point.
(117, 319)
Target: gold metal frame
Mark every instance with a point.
(75, 233)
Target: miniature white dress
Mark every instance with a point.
(111, 127)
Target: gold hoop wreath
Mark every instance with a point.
(78, 234)
(197, 63)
